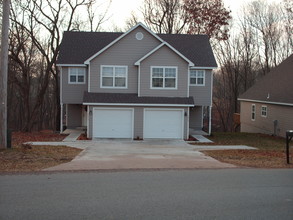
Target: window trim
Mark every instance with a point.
(113, 87)
(266, 111)
(164, 88)
(84, 75)
(204, 77)
(253, 111)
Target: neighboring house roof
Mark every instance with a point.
(275, 87)
(77, 47)
(133, 99)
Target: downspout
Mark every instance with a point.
(210, 120)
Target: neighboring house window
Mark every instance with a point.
(114, 77)
(76, 75)
(197, 77)
(264, 110)
(253, 112)
(164, 77)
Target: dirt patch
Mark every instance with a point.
(33, 158)
(270, 153)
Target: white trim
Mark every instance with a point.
(210, 120)
(88, 122)
(203, 67)
(105, 108)
(73, 65)
(77, 83)
(266, 111)
(138, 79)
(163, 88)
(113, 87)
(61, 117)
(138, 104)
(187, 123)
(212, 85)
(158, 47)
(273, 103)
(253, 112)
(188, 83)
(61, 81)
(164, 109)
(120, 37)
(204, 78)
(89, 79)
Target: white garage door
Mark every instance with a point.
(112, 123)
(163, 123)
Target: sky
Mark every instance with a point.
(120, 10)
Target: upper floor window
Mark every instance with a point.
(253, 112)
(197, 77)
(76, 75)
(164, 77)
(264, 111)
(114, 77)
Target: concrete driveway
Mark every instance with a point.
(129, 154)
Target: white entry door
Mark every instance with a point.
(163, 123)
(112, 123)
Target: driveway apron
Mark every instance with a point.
(128, 154)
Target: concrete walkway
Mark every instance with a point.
(73, 134)
(201, 139)
(128, 154)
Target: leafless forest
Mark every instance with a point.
(246, 48)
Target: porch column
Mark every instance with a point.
(61, 117)
(210, 120)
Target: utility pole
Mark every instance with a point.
(3, 74)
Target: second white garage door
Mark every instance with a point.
(163, 123)
(112, 123)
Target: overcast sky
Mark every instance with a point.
(121, 9)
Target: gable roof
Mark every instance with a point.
(170, 47)
(78, 47)
(275, 87)
(91, 98)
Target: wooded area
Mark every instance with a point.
(246, 48)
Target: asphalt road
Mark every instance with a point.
(190, 194)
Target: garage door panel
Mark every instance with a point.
(113, 123)
(163, 124)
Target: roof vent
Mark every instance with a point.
(268, 96)
(139, 36)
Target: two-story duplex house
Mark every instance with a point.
(135, 84)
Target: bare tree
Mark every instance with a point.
(207, 17)
(38, 27)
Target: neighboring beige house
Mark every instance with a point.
(267, 107)
(136, 84)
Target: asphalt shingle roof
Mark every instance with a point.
(276, 86)
(132, 98)
(76, 47)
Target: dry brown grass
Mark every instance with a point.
(270, 154)
(23, 158)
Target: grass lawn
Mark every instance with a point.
(271, 151)
(35, 158)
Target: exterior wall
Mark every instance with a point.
(164, 57)
(202, 94)
(72, 93)
(266, 124)
(125, 53)
(196, 117)
(74, 116)
(138, 119)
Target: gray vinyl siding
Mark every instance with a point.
(71, 93)
(195, 117)
(125, 53)
(202, 94)
(283, 114)
(138, 119)
(74, 116)
(164, 57)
